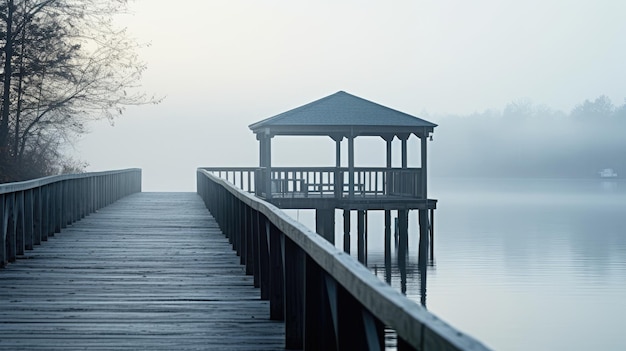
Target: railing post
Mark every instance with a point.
(256, 257)
(243, 251)
(358, 329)
(37, 216)
(29, 233)
(4, 219)
(20, 225)
(46, 212)
(277, 279)
(249, 241)
(11, 224)
(319, 324)
(294, 271)
(264, 259)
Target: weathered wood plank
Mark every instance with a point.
(152, 271)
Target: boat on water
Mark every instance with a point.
(608, 173)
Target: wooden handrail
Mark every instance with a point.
(327, 299)
(33, 210)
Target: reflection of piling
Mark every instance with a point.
(424, 236)
(422, 258)
(432, 234)
(325, 225)
(388, 246)
(403, 246)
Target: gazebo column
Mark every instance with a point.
(265, 162)
(351, 166)
(338, 177)
(403, 214)
(389, 176)
(423, 213)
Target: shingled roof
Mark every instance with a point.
(343, 114)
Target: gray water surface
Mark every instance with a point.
(527, 264)
(520, 264)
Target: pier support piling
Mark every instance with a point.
(325, 224)
(346, 231)
(362, 236)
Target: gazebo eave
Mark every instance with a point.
(344, 131)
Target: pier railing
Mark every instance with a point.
(31, 211)
(326, 298)
(325, 182)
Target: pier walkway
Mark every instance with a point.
(152, 271)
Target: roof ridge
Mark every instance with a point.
(342, 110)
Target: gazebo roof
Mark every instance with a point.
(343, 114)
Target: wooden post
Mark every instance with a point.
(357, 328)
(424, 163)
(265, 162)
(249, 241)
(338, 179)
(424, 237)
(277, 298)
(37, 221)
(20, 223)
(351, 166)
(264, 259)
(403, 245)
(294, 270)
(432, 234)
(11, 224)
(319, 331)
(268, 171)
(346, 231)
(404, 151)
(388, 246)
(29, 233)
(325, 224)
(3, 231)
(361, 243)
(256, 259)
(46, 210)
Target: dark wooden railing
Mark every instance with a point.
(286, 182)
(31, 211)
(326, 298)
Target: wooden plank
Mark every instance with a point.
(151, 271)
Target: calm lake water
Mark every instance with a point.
(522, 264)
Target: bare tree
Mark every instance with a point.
(65, 63)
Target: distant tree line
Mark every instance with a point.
(527, 140)
(63, 63)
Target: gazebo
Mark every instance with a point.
(338, 116)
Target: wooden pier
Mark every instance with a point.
(90, 262)
(152, 271)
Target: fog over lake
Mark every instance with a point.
(531, 106)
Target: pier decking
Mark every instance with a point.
(152, 271)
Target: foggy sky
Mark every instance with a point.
(225, 64)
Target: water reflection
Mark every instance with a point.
(403, 271)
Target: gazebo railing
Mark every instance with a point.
(294, 182)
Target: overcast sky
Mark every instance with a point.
(225, 64)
